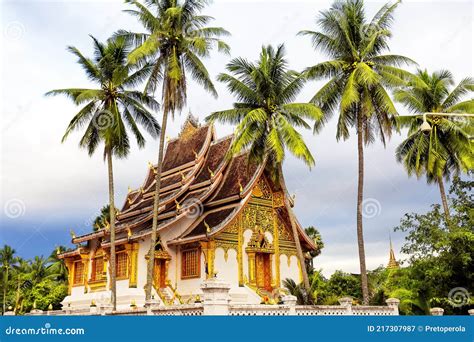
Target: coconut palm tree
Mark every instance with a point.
(447, 148)
(22, 271)
(8, 260)
(103, 220)
(176, 39)
(314, 234)
(40, 270)
(56, 265)
(359, 75)
(109, 110)
(266, 119)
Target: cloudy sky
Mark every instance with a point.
(48, 188)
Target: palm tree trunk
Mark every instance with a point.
(17, 299)
(156, 206)
(443, 198)
(360, 199)
(5, 282)
(112, 269)
(294, 229)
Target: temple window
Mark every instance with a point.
(122, 264)
(78, 273)
(191, 263)
(97, 268)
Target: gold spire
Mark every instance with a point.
(392, 262)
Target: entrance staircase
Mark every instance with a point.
(169, 295)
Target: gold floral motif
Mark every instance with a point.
(262, 190)
(278, 200)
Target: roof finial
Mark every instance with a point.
(208, 228)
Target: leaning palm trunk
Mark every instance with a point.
(360, 199)
(443, 198)
(294, 229)
(112, 269)
(156, 206)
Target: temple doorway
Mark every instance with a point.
(263, 271)
(160, 273)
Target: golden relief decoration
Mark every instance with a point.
(278, 199)
(257, 215)
(190, 126)
(260, 216)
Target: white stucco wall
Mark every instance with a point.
(227, 270)
(289, 272)
(143, 249)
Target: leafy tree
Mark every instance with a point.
(7, 257)
(447, 148)
(266, 119)
(109, 110)
(359, 75)
(46, 292)
(342, 284)
(441, 255)
(21, 275)
(176, 39)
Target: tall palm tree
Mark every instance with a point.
(7, 257)
(266, 119)
(40, 270)
(314, 234)
(359, 74)
(22, 272)
(176, 39)
(447, 148)
(109, 110)
(56, 265)
(103, 220)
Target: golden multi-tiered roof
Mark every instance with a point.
(199, 181)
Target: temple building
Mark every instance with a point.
(218, 217)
